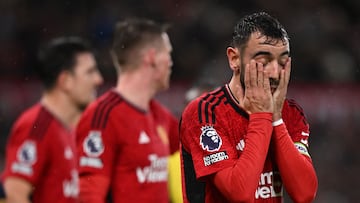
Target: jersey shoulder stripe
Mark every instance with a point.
(41, 124)
(292, 104)
(102, 111)
(207, 105)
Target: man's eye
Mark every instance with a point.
(282, 63)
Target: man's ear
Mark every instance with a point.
(114, 59)
(64, 80)
(233, 56)
(149, 57)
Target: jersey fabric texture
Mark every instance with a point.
(41, 150)
(213, 134)
(129, 146)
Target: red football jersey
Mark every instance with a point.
(129, 146)
(213, 136)
(41, 150)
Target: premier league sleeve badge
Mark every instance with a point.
(93, 144)
(210, 139)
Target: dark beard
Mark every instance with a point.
(274, 82)
(242, 76)
(82, 107)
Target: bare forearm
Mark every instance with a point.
(17, 190)
(16, 199)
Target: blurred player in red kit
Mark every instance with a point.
(125, 137)
(41, 162)
(245, 142)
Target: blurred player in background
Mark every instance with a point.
(245, 142)
(124, 139)
(41, 162)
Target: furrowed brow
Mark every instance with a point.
(265, 53)
(285, 53)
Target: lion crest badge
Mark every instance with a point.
(210, 139)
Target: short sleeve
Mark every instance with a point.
(25, 156)
(96, 149)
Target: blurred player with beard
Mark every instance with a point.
(245, 142)
(41, 162)
(125, 137)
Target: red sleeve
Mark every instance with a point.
(25, 156)
(87, 192)
(239, 182)
(96, 150)
(295, 166)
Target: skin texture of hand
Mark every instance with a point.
(17, 190)
(281, 91)
(257, 97)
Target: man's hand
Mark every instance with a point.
(257, 97)
(281, 91)
(17, 190)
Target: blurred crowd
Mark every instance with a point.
(324, 39)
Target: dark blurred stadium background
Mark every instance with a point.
(324, 44)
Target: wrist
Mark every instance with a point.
(277, 122)
(276, 116)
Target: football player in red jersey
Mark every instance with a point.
(41, 160)
(125, 137)
(245, 142)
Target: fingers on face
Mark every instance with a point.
(247, 76)
(260, 74)
(253, 74)
(256, 76)
(266, 80)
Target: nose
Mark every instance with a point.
(99, 79)
(171, 63)
(274, 69)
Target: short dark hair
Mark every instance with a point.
(58, 55)
(258, 22)
(133, 33)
